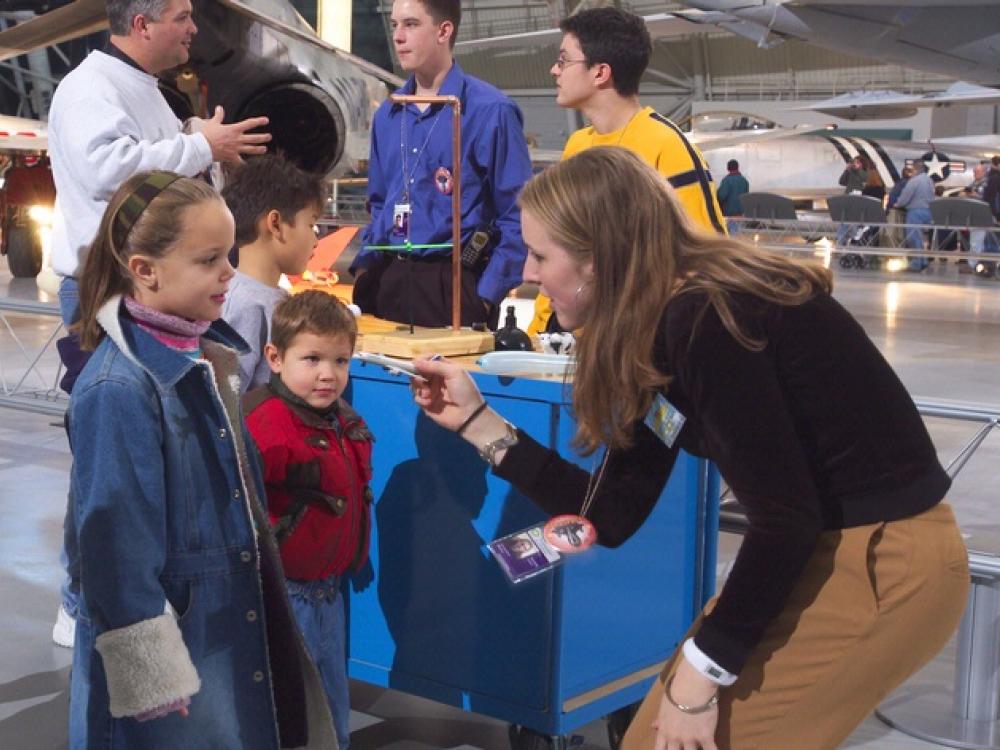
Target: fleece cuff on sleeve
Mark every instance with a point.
(147, 666)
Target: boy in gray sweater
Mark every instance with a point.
(275, 206)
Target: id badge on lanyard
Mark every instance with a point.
(529, 552)
(401, 219)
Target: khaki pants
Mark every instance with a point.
(874, 604)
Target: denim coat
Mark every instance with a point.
(182, 596)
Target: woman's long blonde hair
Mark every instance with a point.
(105, 271)
(605, 206)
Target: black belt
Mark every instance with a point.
(425, 258)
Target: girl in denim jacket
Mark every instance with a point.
(185, 636)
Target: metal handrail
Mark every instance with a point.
(50, 400)
(803, 234)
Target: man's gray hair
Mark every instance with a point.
(121, 13)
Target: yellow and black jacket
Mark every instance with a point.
(662, 145)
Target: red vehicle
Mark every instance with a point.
(27, 195)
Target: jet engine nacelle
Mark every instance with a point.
(319, 107)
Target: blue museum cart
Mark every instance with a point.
(435, 616)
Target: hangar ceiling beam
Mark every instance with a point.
(682, 84)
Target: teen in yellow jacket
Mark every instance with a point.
(602, 56)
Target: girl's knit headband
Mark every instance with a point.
(132, 207)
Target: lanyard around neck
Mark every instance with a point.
(404, 148)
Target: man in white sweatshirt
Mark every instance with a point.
(108, 121)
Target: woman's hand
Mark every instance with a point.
(676, 730)
(448, 396)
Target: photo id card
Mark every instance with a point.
(400, 219)
(664, 420)
(524, 554)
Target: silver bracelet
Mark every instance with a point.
(712, 702)
(489, 451)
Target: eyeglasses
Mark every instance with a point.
(562, 62)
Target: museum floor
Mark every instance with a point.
(940, 330)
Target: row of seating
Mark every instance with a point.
(966, 213)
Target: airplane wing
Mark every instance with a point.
(957, 38)
(62, 24)
(875, 105)
(310, 37)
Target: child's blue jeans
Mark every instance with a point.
(319, 610)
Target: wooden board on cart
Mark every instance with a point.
(368, 324)
(426, 341)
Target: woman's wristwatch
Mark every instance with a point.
(706, 665)
(488, 452)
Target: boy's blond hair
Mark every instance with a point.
(311, 312)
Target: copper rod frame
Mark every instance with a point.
(456, 193)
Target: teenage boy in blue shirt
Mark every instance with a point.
(411, 178)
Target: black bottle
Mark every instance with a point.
(510, 337)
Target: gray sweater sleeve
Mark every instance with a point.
(249, 320)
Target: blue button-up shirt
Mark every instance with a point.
(495, 166)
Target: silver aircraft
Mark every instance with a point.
(253, 57)
(956, 38)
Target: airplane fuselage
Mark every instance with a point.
(810, 166)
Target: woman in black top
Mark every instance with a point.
(852, 573)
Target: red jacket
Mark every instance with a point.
(316, 473)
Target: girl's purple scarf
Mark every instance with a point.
(170, 330)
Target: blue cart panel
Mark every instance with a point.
(435, 616)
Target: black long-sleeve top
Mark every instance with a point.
(814, 432)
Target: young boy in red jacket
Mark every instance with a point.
(317, 463)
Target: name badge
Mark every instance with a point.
(524, 554)
(400, 219)
(664, 420)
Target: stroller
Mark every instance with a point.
(862, 236)
(865, 218)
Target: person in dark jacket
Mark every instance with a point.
(991, 192)
(733, 185)
(854, 176)
(852, 574)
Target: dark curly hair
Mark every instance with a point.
(616, 38)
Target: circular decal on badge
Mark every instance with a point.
(570, 533)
